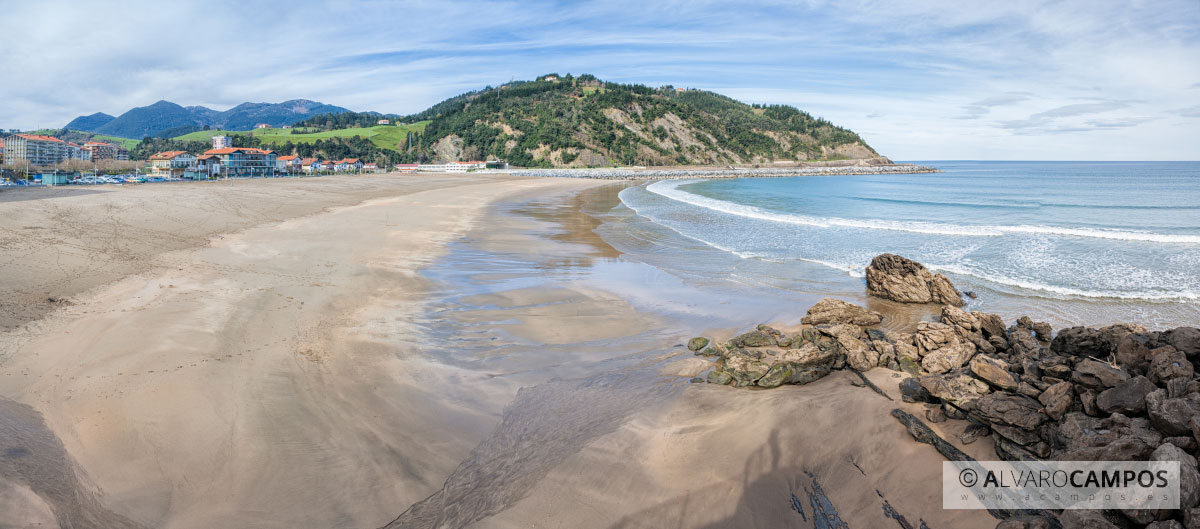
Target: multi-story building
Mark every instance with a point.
(172, 164)
(105, 151)
(36, 149)
(245, 161)
(287, 164)
(453, 167)
(311, 165)
(1, 150)
(222, 142)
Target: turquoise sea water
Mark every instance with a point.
(1125, 236)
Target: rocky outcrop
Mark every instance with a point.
(1116, 393)
(831, 310)
(899, 279)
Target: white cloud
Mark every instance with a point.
(919, 79)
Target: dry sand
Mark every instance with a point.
(265, 354)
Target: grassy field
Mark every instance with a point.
(384, 136)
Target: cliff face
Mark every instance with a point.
(582, 122)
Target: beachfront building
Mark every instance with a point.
(405, 167)
(222, 142)
(99, 150)
(1, 150)
(206, 166)
(348, 165)
(287, 164)
(370, 167)
(310, 165)
(172, 164)
(329, 166)
(245, 161)
(39, 150)
(452, 167)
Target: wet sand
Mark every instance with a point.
(448, 351)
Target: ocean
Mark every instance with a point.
(1070, 242)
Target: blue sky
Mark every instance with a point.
(919, 80)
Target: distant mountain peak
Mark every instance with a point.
(162, 116)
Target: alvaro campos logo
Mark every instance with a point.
(1060, 485)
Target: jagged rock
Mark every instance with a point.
(1087, 400)
(809, 355)
(1010, 451)
(1080, 341)
(831, 310)
(859, 355)
(964, 321)
(903, 342)
(994, 371)
(990, 324)
(1081, 519)
(1058, 399)
(1167, 363)
(1128, 397)
(1186, 442)
(1185, 340)
(1134, 353)
(1029, 390)
(887, 352)
(1191, 518)
(755, 338)
(697, 343)
(1165, 524)
(973, 432)
(912, 391)
(1189, 476)
(768, 329)
(957, 388)
(1011, 409)
(1042, 331)
(1117, 438)
(1022, 341)
(1172, 416)
(899, 279)
(1095, 374)
(1050, 366)
(947, 357)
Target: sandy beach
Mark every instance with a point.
(442, 351)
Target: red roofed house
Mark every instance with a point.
(105, 151)
(406, 167)
(207, 166)
(287, 164)
(171, 164)
(370, 167)
(349, 164)
(311, 165)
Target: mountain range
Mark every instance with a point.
(167, 119)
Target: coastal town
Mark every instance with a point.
(41, 156)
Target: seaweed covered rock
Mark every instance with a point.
(900, 279)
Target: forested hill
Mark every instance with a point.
(582, 121)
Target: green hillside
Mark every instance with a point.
(81, 137)
(383, 136)
(581, 121)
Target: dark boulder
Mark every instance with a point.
(697, 343)
(1128, 397)
(1172, 416)
(1186, 340)
(1168, 363)
(1058, 399)
(1011, 409)
(1097, 375)
(755, 338)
